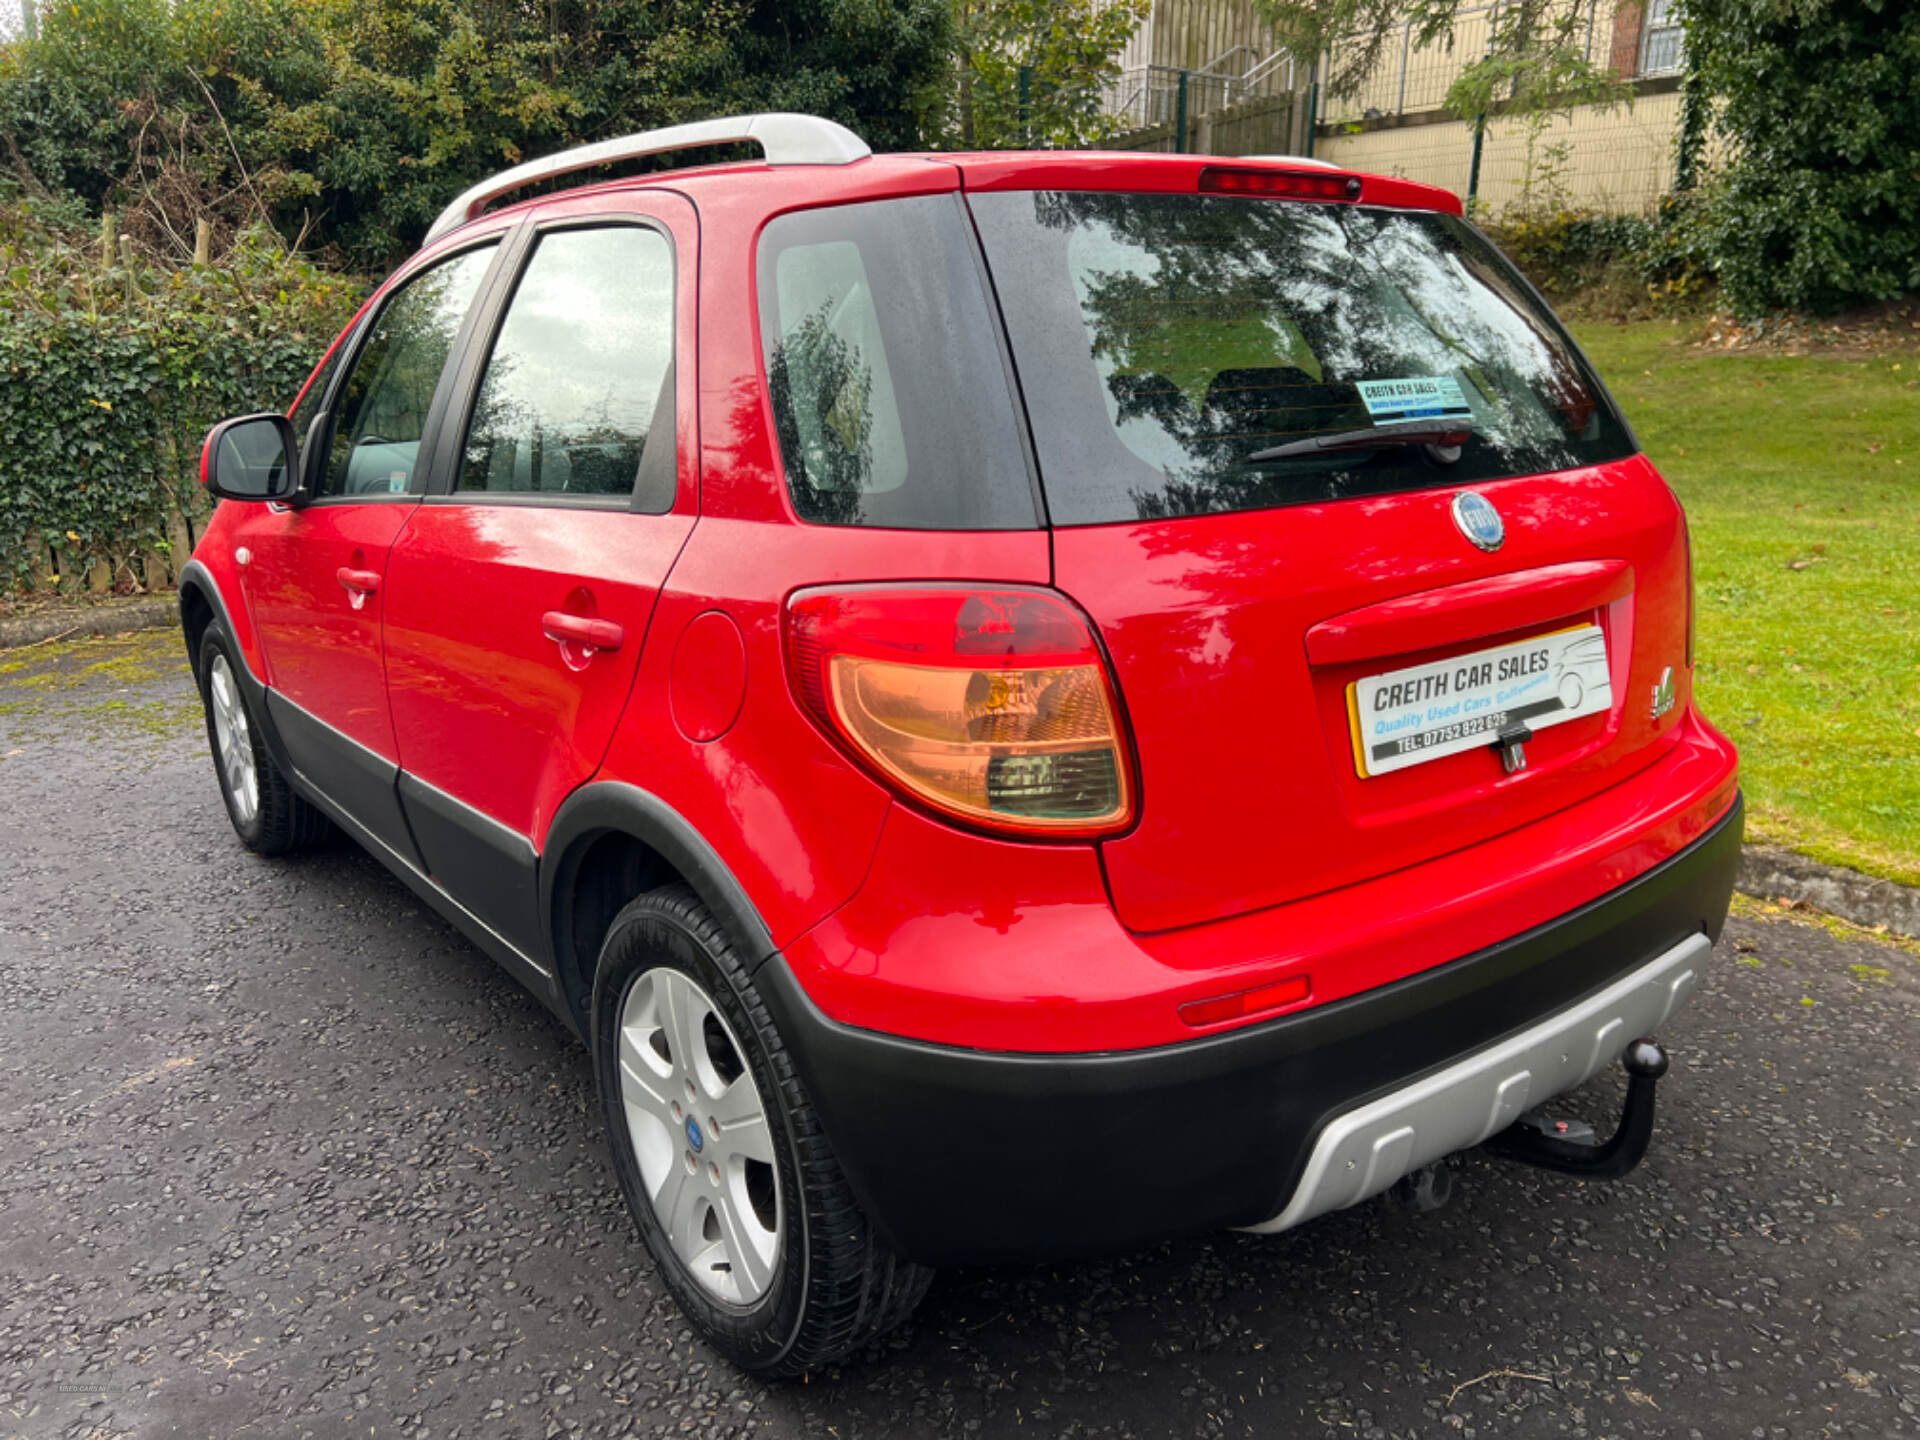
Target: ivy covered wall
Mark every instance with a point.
(110, 374)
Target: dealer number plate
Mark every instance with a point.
(1407, 717)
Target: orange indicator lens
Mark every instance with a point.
(992, 706)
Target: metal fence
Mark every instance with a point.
(1241, 103)
(1271, 125)
(1613, 158)
(1152, 95)
(1415, 78)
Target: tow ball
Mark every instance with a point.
(1572, 1148)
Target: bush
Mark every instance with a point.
(1568, 250)
(1817, 206)
(112, 376)
(1662, 257)
(353, 121)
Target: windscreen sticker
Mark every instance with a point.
(1416, 398)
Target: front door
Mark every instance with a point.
(314, 574)
(519, 597)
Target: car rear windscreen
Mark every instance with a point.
(1164, 341)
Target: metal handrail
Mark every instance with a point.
(786, 139)
(1266, 67)
(1223, 57)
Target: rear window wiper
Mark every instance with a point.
(1443, 435)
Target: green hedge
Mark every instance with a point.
(110, 376)
(1569, 251)
(1818, 207)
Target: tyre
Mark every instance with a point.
(267, 815)
(721, 1156)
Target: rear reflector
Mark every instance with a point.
(1248, 1002)
(1296, 184)
(992, 706)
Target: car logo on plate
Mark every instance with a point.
(1478, 520)
(1663, 693)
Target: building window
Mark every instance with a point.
(1662, 40)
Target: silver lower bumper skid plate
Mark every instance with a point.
(1363, 1151)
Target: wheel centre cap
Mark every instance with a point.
(694, 1137)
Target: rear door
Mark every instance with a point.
(1317, 651)
(314, 574)
(519, 598)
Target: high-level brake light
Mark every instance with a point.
(1294, 184)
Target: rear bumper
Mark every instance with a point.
(962, 1156)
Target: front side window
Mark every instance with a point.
(889, 391)
(311, 398)
(1167, 344)
(382, 410)
(577, 398)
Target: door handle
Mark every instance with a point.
(565, 629)
(357, 583)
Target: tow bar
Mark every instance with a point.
(1570, 1147)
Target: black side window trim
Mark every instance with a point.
(1023, 423)
(319, 437)
(477, 351)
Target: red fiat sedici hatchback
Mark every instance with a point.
(1023, 704)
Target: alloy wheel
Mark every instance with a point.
(233, 738)
(699, 1133)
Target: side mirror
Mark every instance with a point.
(253, 458)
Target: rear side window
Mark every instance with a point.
(579, 385)
(889, 390)
(1164, 341)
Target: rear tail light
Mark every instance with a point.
(992, 706)
(1295, 184)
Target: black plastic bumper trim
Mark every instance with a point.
(966, 1156)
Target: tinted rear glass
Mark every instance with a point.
(889, 388)
(1162, 340)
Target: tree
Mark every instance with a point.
(1817, 203)
(1032, 72)
(356, 120)
(1535, 66)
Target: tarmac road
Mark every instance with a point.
(282, 1155)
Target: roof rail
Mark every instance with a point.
(786, 139)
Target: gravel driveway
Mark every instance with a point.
(282, 1155)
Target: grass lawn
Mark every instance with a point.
(1802, 479)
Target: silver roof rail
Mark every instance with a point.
(786, 139)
